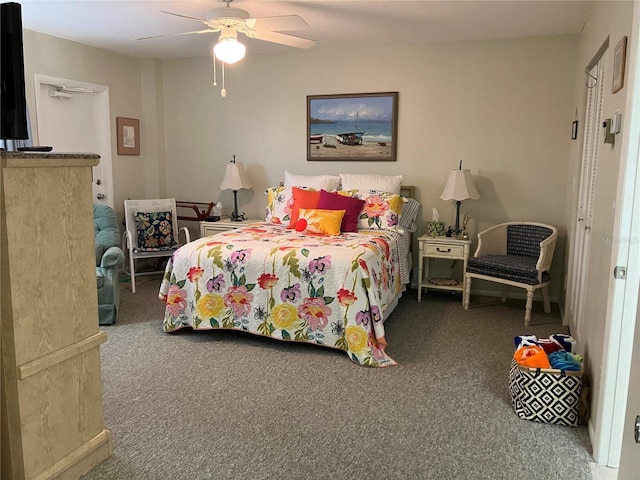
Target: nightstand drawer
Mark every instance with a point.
(212, 228)
(444, 250)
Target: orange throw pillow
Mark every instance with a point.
(302, 199)
(322, 222)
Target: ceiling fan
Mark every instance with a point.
(230, 21)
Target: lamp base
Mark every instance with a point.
(235, 216)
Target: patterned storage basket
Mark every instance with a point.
(546, 395)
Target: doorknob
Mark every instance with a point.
(636, 429)
(98, 182)
(100, 196)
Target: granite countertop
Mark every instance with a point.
(38, 155)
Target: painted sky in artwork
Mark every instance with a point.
(347, 109)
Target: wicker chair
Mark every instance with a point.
(516, 254)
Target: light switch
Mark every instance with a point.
(616, 123)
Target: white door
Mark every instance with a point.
(588, 176)
(73, 116)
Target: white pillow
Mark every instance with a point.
(382, 183)
(328, 182)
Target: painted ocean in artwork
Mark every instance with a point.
(375, 130)
(371, 115)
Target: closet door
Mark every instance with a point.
(588, 176)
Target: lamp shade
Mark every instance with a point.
(229, 49)
(459, 186)
(235, 178)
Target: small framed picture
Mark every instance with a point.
(619, 57)
(574, 130)
(128, 133)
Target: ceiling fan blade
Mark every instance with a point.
(185, 16)
(284, 39)
(207, 30)
(278, 23)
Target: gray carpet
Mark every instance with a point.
(229, 405)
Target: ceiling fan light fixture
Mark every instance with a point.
(229, 49)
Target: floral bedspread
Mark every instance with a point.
(280, 283)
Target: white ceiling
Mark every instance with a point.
(335, 24)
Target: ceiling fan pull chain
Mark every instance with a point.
(223, 92)
(215, 84)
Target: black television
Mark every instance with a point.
(13, 102)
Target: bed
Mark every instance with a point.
(292, 283)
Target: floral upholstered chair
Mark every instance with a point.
(109, 258)
(514, 254)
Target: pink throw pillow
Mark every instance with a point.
(352, 206)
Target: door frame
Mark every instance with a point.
(104, 123)
(622, 310)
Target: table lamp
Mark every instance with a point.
(235, 179)
(459, 187)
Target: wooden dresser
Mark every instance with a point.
(52, 416)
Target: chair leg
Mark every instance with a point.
(132, 273)
(467, 292)
(545, 300)
(505, 289)
(527, 312)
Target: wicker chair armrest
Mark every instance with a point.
(492, 241)
(547, 248)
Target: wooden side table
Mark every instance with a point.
(211, 228)
(441, 247)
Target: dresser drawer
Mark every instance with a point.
(444, 250)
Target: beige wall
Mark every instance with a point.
(47, 55)
(504, 107)
(613, 20)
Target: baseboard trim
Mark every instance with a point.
(513, 293)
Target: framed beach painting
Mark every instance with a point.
(352, 127)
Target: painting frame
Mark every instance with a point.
(619, 59)
(336, 131)
(128, 136)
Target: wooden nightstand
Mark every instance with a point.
(441, 247)
(211, 228)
